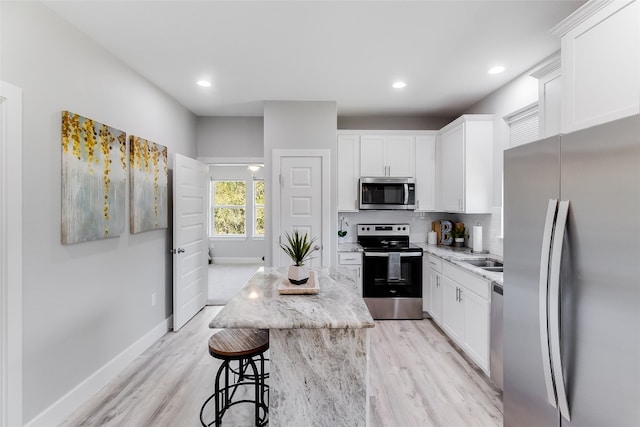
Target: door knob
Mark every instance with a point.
(316, 247)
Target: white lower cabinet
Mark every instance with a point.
(476, 328)
(452, 311)
(352, 261)
(459, 303)
(435, 296)
(432, 289)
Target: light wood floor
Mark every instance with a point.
(417, 379)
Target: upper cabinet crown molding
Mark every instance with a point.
(550, 65)
(465, 118)
(583, 13)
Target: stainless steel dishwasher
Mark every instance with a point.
(495, 354)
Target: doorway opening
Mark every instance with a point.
(236, 224)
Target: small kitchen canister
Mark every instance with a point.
(432, 238)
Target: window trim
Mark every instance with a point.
(255, 206)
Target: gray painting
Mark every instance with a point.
(148, 192)
(94, 176)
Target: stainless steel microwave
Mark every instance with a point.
(387, 193)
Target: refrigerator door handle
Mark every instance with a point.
(554, 308)
(543, 302)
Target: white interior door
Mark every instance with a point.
(190, 262)
(301, 201)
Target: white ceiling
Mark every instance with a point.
(345, 51)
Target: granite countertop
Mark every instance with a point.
(456, 256)
(349, 247)
(258, 304)
(453, 255)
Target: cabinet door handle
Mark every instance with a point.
(437, 281)
(457, 294)
(460, 296)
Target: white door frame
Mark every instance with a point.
(325, 156)
(10, 255)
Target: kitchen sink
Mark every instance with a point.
(486, 264)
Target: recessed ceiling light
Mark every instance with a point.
(399, 85)
(496, 70)
(203, 83)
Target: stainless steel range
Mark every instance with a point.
(392, 271)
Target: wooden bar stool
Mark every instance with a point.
(246, 347)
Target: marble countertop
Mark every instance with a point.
(258, 304)
(453, 255)
(349, 247)
(456, 256)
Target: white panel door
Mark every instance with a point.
(301, 202)
(301, 198)
(190, 262)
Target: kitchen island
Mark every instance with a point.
(318, 346)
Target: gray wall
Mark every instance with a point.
(230, 136)
(295, 125)
(392, 122)
(83, 304)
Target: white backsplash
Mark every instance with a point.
(420, 223)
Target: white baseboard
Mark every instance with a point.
(67, 404)
(236, 260)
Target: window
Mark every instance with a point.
(229, 206)
(236, 210)
(258, 206)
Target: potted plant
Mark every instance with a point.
(458, 233)
(299, 248)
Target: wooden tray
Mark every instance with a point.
(311, 287)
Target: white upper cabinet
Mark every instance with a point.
(600, 51)
(387, 155)
(348, 153)
(549, 97)
(425, 167)
(466, 164)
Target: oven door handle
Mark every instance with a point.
(386, 254)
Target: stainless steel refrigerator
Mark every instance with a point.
(572, 279)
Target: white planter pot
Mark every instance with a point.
(298, 275)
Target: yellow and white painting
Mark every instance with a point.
(94, 176)
(149, 176)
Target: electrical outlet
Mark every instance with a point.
(153, 299)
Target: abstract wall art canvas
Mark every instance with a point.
(94, 176)
(148, 193)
